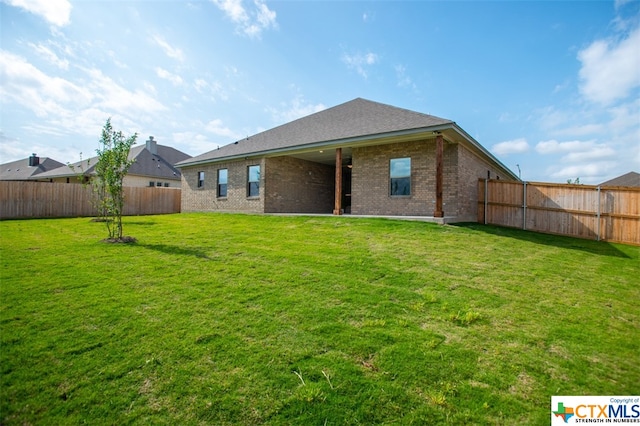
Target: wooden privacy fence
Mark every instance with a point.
(20, 200)
(603, 213)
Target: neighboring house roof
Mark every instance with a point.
(21, 170)
(627, 179)
(158, 165)
(346, 124)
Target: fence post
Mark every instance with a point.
(524, 205)
(486, 199)
(598, 216)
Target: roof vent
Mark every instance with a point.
(34, 160)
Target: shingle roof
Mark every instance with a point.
(158, 165)
(21, 170)
(356, 118)
(627, 179)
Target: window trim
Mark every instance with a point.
(392, 178)
(219, 185)
(200, 179)
(249, 182)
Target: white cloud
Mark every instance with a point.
(600, 142)
(50, 56)
(597, 152)
(554, 147)
(359, 62)
(217, 127)
(620, 3)
(295, 109)
(176, 80)
(213, 89)
(66, 107)
(579, 158)
(118, 99)
(249, 21)
(56, 12)
(266, 17)
(150, 87)
(194, 142)
(200, 84)
(626, 116)
(515, 146)
(551, 118)
(591, 173)
(117, 62)
(610, 70)
(170, 51)
(12, 149)
(234, 9)
(581, 130)
(404, 80)
(30, 87)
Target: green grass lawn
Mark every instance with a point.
(239, 319)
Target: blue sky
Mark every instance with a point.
(551, 88)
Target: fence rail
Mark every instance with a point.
(21, 200)
(603, 213)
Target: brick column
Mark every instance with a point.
(337, 210)
(439, 178)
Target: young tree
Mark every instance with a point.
(98, 191)
(111, 168)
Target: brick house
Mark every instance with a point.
(153, 166)
(360, 157)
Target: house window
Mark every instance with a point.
(200, 179)
(158, 183)
(222, 182)
(152, 183)
(253, 181)
(400, 176)
(166, 184)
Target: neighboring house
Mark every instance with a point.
(627, 179)
(360, 157)
(28, 168)
(153, 166)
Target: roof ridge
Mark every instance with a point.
(404, 109)
(357, 117)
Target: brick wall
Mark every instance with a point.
(470, 169)
(205, 199)
(291, 185)
(298, 186)
(370, 179)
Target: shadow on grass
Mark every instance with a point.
(175, 250)
(594, 247)
(140, 223)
